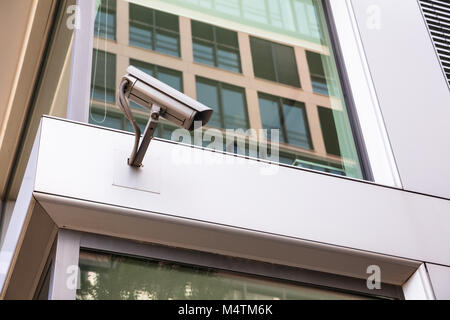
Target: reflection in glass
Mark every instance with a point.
(154, 30)
(287, 115)
(295, 18)
(110, 276)
(105, 20)
(227, 101)
(273, 61)
(215, 46)
(321, 77)
(103, 80)
(285, 42)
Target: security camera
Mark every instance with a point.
(162, 100)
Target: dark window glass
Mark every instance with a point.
(103, 78)
(227, 101)
(317, 68)
(105, 20)
(154, 30)
(106, 276)
(288, 116)
(275, 62)
(327, 118)
(215, 46)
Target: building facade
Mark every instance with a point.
(318, 176)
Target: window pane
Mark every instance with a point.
(154, 30)
(227, 37)
(270, 115)
(327, 122)
(286, 65)
(105, 20)
(234, 107)
(215, 46)
(167, 21)
(208, 94)
(103, 76)
(273, 61)
(296, 125)
(167, 42)
(228, 59)
(115, 277)
(140, 36)
(141, 26)
(204, 52)
(263, 64)
(317, 71)
(146, 67)
(171, 77)
(202, 30)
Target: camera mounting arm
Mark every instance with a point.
(140, 145)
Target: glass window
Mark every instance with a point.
(274, 37)
(299, 19)
(273, 61)
(327, 122)
(154, 30)
(227, 101)
(215, 46)
(317, 68)
(103, 78)
(107, 119)
(288, 116)
(105, 20)
(115, 277)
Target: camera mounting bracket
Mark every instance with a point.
(140, 144)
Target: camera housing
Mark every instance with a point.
(162, 100)
(176, 107)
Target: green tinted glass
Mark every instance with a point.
(109, 276)
(283, 72)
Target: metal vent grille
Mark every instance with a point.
(437, 16)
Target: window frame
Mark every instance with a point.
(356, 81)
(69, 243)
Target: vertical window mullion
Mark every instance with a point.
(274, 64)
(282, 121)
(154, 30)
(269, 19)
(156, 71)
(216, 62)
(219, 92)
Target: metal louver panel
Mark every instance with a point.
(437, 16)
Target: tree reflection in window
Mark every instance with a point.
(109, 276)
